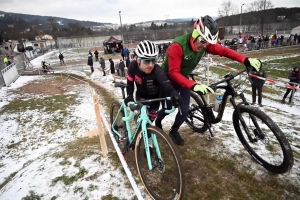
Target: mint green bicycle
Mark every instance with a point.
(157, 159)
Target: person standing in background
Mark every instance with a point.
(122, 68)
(257, 85)
(112, 69)
(61, 58)
(102, 65)
(90, 63)
(127, 61)
(96, 55)
(294, 77)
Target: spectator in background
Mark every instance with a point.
(122, 53)
(96, 55)
(132, 57)
(257, 85)
(102, 65)
(6, 60)
(295, 38)
(159, 49)
(259, 42)
(90, 63)
(61, 58)
(117, 67)
(90, 53)
(126, 53)
(122, 68)
(112, 69)
(294, 77)
(127, 61)
(267, 39)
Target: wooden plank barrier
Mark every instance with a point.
(100, 126)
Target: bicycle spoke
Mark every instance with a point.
(265, 142)
(165, 180)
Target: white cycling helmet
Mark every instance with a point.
(207, 28)
(146, 50)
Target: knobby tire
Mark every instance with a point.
(195, 119)
(167, 179)
(271, 148)
(120, 125)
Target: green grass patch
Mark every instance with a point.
(32, 196)
(7, 179)
(68, 180)
(46, 104)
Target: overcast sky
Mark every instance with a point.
(132, 11)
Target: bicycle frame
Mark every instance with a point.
(142, 122)
(210, 117)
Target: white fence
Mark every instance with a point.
(10, 74)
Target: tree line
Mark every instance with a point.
(258, 12)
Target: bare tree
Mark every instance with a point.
(259, 6)
(227, 8)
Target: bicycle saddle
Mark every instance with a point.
(194, 74)
(120, 84)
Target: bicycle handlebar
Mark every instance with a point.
(227, 77)
(139, 104)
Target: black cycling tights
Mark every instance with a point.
(184, 107)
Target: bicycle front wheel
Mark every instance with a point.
(195, 119)
(118, 125)
(266, 144)
(167, 179)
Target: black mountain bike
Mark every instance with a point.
(258, 133)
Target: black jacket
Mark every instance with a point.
(293, 75)
(147, 85)
(256, 82)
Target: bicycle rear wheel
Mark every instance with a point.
(195, 119)
(119, 125)
(167, 179)
(269, 146)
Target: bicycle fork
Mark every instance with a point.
(150, 141)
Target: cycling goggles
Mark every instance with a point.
(148, 61)
(197, 36)
(202, 41)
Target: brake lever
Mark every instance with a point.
(213, 86)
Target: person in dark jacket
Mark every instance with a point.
(112, 69)
(294, 77)
(257, 85)
(148, 78)
(122, 68)
(96, 55)
(127, 61)
(102, 65)
(90, 63)
(61, 58)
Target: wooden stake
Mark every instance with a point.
(100, 126)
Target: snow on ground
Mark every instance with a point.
(33, 161)
(36, 168)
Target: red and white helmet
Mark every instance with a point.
(207, 28)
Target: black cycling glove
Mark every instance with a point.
(128, 99)
(175, 98)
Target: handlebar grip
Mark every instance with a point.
(171, 110)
